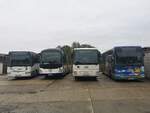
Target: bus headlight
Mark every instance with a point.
(28, 71)
(60, 70)
(41, 70)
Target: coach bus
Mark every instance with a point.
(22, 64)
(86, 62)
(53, 62)
(124, 63)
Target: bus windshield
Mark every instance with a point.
(51, 57)
(86, 57)
(129, 56)
(20, 59)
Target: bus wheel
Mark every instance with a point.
(46, 77)
(110, 75)
(76, 78)
(95, 78)
(37, 73)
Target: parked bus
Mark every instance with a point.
(125, 62)
(22, 64)
(86, 62)
(53, 62)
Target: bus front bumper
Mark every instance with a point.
(51, 72)
(19, 74)
(85, 74)
(129, 77)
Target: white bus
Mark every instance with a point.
(53, 63)
(86, 62)
(22, 64)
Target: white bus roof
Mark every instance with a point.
(85, 49)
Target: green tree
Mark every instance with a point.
(86, 46)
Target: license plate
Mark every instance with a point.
(18, 75)
(85, 73)
(85, 67)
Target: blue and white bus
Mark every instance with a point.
(124, 63)
(22, 64)
(53, 63)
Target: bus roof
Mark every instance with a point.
(19, 52)
(111, 50)
(85, 49)
(52, 49)
(127, 46)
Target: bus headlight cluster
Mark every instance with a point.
(60, 69)
(28, 70)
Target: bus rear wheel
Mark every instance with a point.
(94, 78)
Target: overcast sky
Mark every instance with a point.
(39, 24)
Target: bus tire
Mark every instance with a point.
(95, 78)
(46, 77)
(110, 74)
(37, 73)
(76, 78)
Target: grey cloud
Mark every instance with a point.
(38, 24)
